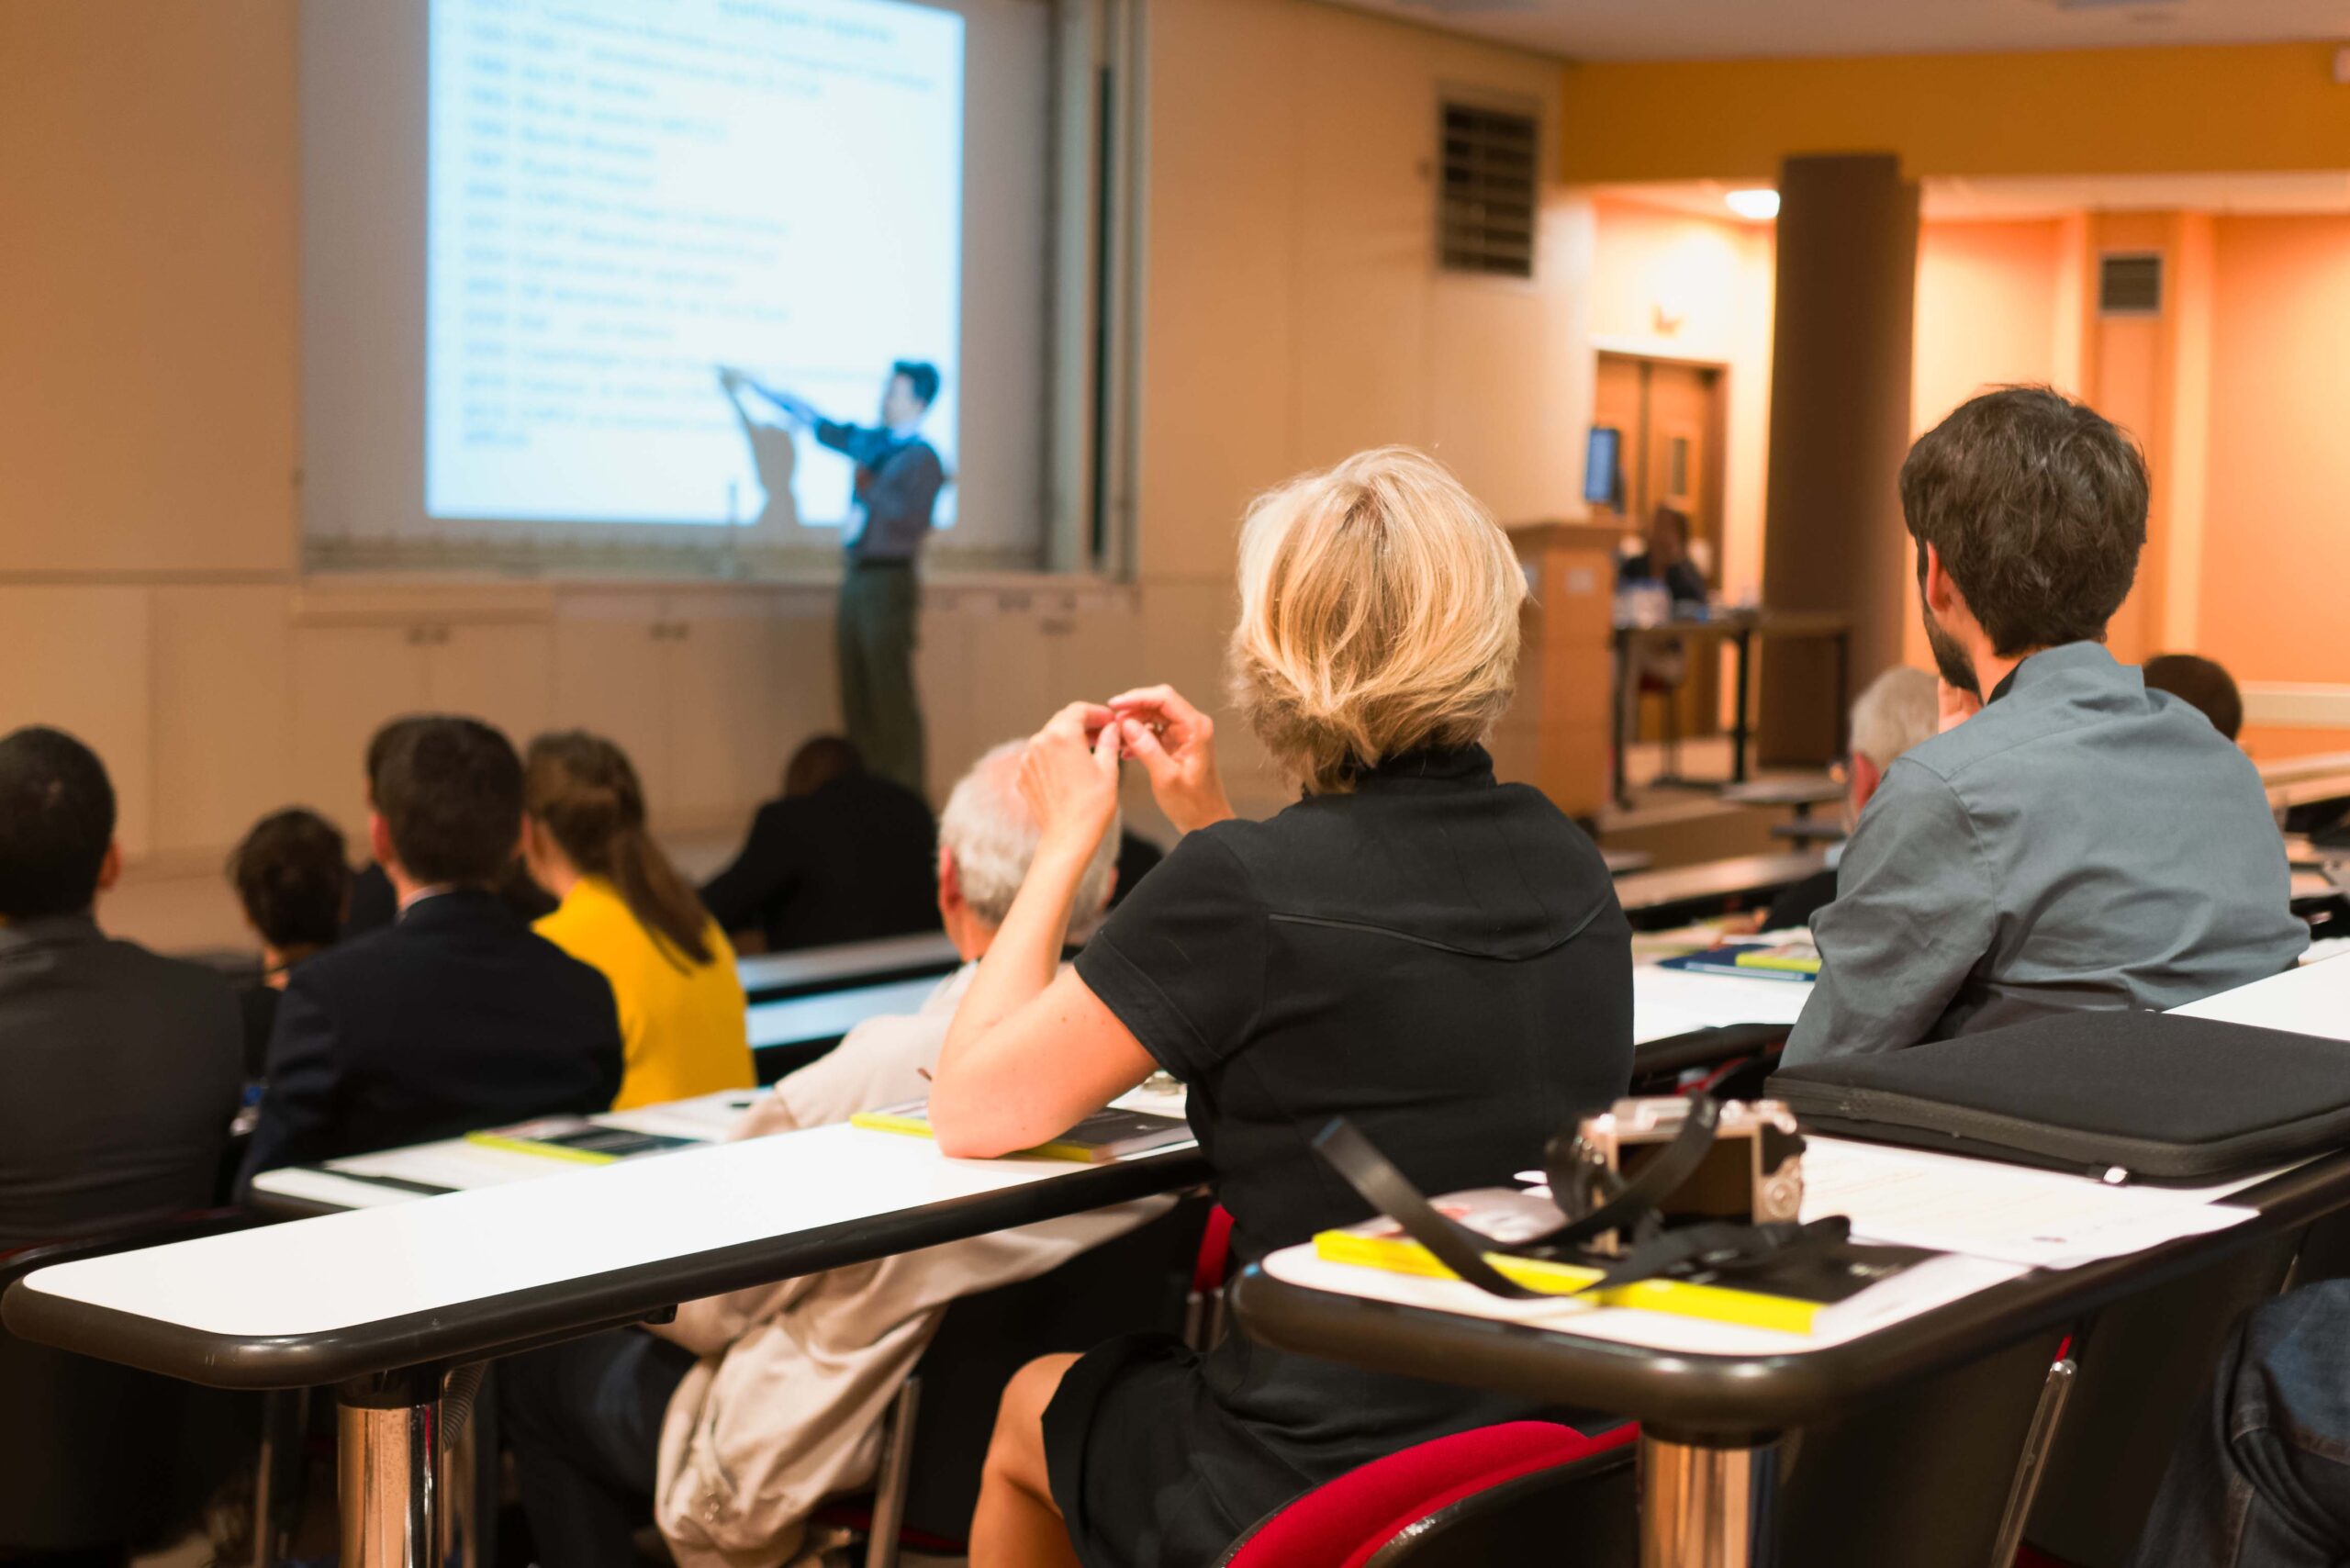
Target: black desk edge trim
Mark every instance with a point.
(1739, 1396)
(477, 1330)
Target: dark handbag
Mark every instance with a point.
(2124, 1096)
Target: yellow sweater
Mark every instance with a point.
(682, 1025)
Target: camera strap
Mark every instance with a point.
(1718, 1244)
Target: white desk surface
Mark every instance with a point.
(396, 1260)
(2300, 769)
(1896, 1193)
(843, 961)
(829, 1015)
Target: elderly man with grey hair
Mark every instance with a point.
(729, 1426)
(1899, 709)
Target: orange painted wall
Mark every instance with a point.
(2080, 111)
(2275, 559)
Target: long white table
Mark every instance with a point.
(808, 971)
(383, 1300)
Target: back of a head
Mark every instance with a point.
(992, 836)
(2204, 684)
(2037, 506)
(921, 379)
(292, 879)
(386, 736)
(818, 761)
(1899, 710)
(56, 823)
(1379, 615)
(449, 790)
(583, 789)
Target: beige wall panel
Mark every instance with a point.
(347, 679)
(223, 685)
(79, 659)
(148, 381)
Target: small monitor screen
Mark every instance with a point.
(1599, 465)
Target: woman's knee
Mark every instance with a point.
(1018, 1451)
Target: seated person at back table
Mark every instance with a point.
(2203, 684)
(627, 911)
(781, 1388)
(1897, 711)
(843, 857)
(294, 886)
(121, 1069)
(1434, 955)
(455, 1017)
(2070, 840)
(374, 905)
(1665, 561)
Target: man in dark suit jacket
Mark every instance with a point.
(844, 856)
(455, 1017)
(120, 1069)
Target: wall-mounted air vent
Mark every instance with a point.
(2129, 284)
(1486, 208)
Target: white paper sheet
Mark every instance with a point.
(2043, 1218)
(1674, 1001)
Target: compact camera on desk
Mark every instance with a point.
(1749, 1173)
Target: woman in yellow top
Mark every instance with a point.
(627, 912)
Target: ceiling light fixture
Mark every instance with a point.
(1761, 205)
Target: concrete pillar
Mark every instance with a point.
(1840, 426)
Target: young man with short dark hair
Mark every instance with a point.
(120, 1067)
(455, 1017)
(2069, 841)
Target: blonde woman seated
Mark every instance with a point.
(627, 912)
(1436, 956)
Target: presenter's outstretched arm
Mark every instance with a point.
(1032, 1050)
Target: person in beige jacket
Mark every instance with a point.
(751, 1409)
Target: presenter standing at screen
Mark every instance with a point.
(898, 475)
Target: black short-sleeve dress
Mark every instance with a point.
(1436, 956)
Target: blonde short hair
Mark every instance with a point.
(1379, 614)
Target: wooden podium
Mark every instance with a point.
(1555, 734)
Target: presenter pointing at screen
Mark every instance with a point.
(898, 475)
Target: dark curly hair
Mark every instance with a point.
(2037, 506)
(292, 879)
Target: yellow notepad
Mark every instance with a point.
(1401, 1254)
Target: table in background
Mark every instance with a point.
(1682, 893)
(808, 972)
(1741, 627)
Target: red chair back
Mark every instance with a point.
(1345, 1522)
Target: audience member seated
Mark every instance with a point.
(120, 1067)
(780, 1389)
(2203, 684)
(455, 1017)
(843, 857)
(626, 911)
(2263, 1479)
(1665, 561)
(294, 886)
(2068, 841)
(1435, 955)
(1899, 710)
(374, 905)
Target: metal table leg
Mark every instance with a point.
(1707, 1508)
(389, 1486)
(1738, 723)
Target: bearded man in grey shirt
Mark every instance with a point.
(2071, 840)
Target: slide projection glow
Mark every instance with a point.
(623, 198)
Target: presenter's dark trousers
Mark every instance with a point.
(2261, 1477)
(584, 1419)
(874, 627)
